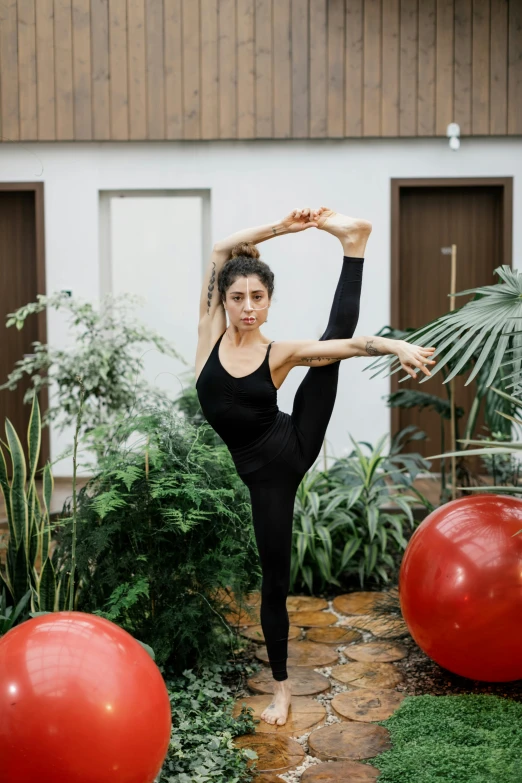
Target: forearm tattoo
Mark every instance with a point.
(211, 288)
(322, 359)
(274, 230)
(371, 350)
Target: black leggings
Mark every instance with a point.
(273, 487)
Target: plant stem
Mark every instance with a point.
(73, 546)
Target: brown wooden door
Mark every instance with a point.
(18, 287)
(432, 218)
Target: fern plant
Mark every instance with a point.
(162, 528)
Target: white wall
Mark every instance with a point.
(251, 183)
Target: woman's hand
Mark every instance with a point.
(299, 220)
(411, 356)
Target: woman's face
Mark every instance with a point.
(247, 302)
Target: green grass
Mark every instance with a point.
(466, 739)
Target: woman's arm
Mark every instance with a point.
(317, 353)
(210, 303)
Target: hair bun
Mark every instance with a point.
(245, 249)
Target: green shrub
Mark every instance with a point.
(341, 525)
(160, 529)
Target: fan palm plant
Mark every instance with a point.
(489, 320)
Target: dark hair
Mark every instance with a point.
(245, 260)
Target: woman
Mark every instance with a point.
(238, 374)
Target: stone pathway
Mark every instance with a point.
(344, 678)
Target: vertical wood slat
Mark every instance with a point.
(335, 104)
(191, 70)
(45, 70)
(137, 69)
(515, 68)
(263, 68)
(409, 57)
(282, 69)
(426, 69)
(480, 68)
(155, 69)
(462, 65)
(173, 69)
(100, 69)
(444, 67)
(227, 69)
(118, 66)
(63, 70)
(82, 82)
(390, 68)
(245, 69)
(318, 59)
(9, 94)
(300, 73)
(27, 69)
(209, 70)
(498, 68)
(372, 84)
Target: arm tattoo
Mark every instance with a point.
(321, 359)
(211, 288)
(274, 230)
(371, 351)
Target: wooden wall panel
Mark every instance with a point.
(462, 64)
(498, 68)
(82, 86)
(27, 69)
(300, 31)
(44, 71)
(390, 67)
(372, 54)
(209, 70)
(258, 69)
(9, 98)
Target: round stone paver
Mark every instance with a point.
(383, 652)
(356, 603)
(367, 704)
(305, 654)
(247, 616)
(305, 682)
(255, 632)
(348, 740)
(305, 603)
(276, 752)
(268, 777)
(312, 619)
(340, 772)
(303, 715)
(333, 635)
(380, 627)
(363, 674)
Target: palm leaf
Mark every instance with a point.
(489, 320)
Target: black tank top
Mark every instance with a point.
(243, 411)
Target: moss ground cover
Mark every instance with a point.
(469, 738)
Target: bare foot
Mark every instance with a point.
(277, 710)
(352, 232)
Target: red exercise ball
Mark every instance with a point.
(81, 701)
(460, 587)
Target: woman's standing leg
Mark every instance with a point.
(272, 493)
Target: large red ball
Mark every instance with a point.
(81, 701)
(461, 587)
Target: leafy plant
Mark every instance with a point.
(9, 615)
(201, 747)
(29, 529)
(103, 355)
(162, 526)
(342, 526)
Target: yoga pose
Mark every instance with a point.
(238, 374)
